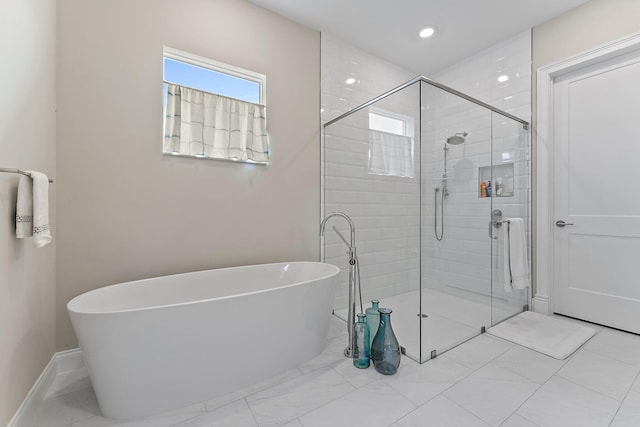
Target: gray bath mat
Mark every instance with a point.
(548, 335)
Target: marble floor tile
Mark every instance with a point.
(600, 373)
(286, 401)
(628, 414)
(162, 420)
(337, 327)
(636, 383)
(517, 421)
(529, 364)
(617, 345)
(440, 412)
(332, 355)
(217, 402)
(68, 408)
(485, 381)
(491, 393)
(68, 382)
(580, 322)
(420, 383)
(377, 404)
(236, 414)
(360, 377)
(478, 352)
(560, 402)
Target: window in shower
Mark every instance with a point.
(390, 122)
(391, 144)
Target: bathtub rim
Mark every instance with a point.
(76, 311)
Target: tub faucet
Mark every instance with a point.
(352, 274)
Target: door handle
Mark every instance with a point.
(561, 223)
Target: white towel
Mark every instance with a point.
(24, 208)
(516, 265)
(32, 208)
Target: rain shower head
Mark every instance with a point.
(457, 139)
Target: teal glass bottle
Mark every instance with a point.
(373, 319)
(385, 350)
(360, 346)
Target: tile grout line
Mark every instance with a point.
(331, 401)
(515, 411)
(441, 393)
(555, 374)
(251, 411)
(624, 398)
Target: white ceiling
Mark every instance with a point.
(389, 29)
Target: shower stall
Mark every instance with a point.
(430, 178)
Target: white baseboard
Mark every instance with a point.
(62, 361)
(541, 304)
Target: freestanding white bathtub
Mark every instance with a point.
(159, 344)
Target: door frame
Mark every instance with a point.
(544, 222)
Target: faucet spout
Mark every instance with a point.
(352, 231)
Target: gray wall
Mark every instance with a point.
(27, 141)
(128, 212)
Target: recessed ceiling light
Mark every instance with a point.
(503, 78)
(350, 81)
(427, 32)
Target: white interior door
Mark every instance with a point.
(597, 192)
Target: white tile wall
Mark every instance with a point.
(341, 60)
(386, 210)
(463, 260)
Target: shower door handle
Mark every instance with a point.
(560, 223)
(496, 222)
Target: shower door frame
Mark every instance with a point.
(525, 124)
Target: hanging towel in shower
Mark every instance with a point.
(32, 209)
(516, 266)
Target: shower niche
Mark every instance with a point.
(406, 167)
(501, 177)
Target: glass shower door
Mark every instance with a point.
(510, 177)
(371, 173)
(456, 249)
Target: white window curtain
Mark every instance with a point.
(204, 124)
(390, 154)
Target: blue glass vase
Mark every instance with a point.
(360, 346)
(385, 350)
(373, 319)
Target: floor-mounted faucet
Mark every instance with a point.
(352, 275)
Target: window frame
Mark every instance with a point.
(408, 122)
(216, 66)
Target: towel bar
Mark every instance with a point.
(18, 171)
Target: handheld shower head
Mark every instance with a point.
(457, 139)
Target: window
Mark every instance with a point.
(212, 76)
(213, 110)
(391, 143)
